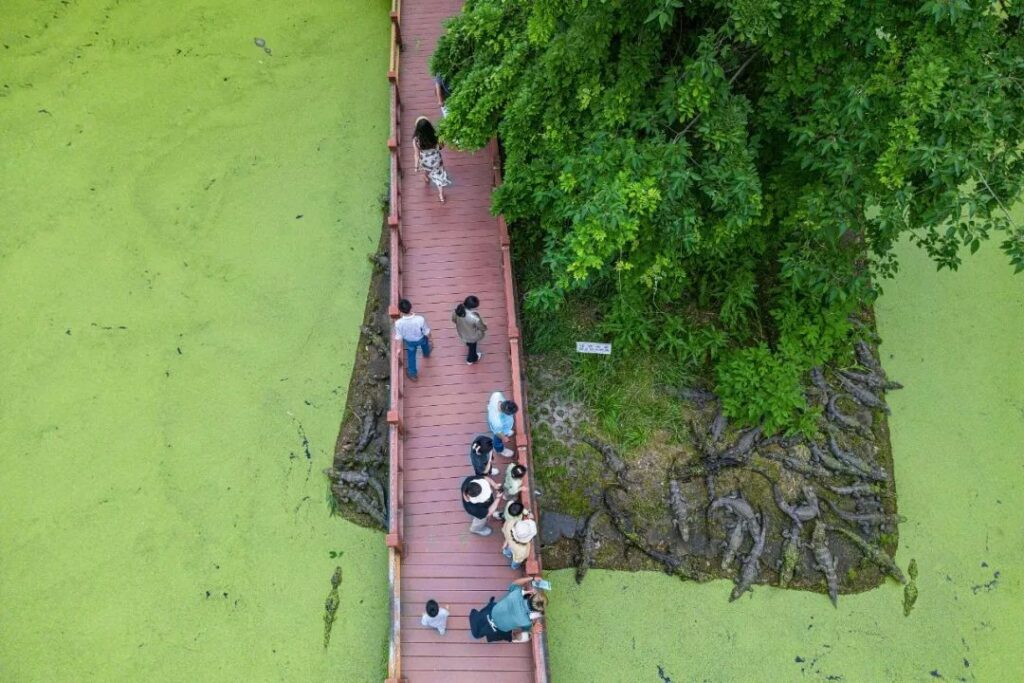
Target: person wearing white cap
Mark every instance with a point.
(519, 530)
(480, 502)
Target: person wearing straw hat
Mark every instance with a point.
(519, 530)
(428, 155)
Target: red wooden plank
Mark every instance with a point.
(450, 647)
(482, 670)
(469, 676)
(412, 570)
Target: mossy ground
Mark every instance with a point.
(632, 403)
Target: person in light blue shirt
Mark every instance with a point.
(501, 419)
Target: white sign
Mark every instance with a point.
(593, 347)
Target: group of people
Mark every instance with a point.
(489, 495)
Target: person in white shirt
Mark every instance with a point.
(435, 617)
(414, 331)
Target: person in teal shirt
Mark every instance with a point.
(521, 606)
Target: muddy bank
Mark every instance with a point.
(358, 477)
(711, 500)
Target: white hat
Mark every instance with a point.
(524, 530)
(485, 491)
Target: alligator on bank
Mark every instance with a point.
(837, 477)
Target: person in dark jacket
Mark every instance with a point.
(479, 500)
(481, 455)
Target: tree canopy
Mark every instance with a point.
(727, 179)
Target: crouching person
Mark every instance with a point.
(511, 618)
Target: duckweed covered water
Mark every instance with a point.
(182, 275)
(956, 340)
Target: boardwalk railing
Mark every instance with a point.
(524, 446)
(395, 465)
(395, 415)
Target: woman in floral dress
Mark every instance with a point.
(428, 155)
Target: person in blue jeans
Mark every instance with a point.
(501, 419)
(414, 331)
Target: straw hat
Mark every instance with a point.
(524, 530)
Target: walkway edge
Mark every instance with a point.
(395, 415)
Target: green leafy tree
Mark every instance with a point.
(728, 178)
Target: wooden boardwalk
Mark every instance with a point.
(440, 254)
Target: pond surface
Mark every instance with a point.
(183, 270)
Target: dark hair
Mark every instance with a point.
(425, 134)
(518, 471)
(473, 489)
(431, 608)
(509, 408)
(404, 305)
(471, 302)
(483, 444)
(515, 508)
(537, 602)
(460, 311)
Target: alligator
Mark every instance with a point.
(853, 461)
(611, 458)
(699, 397)
(623, 523)
(680, 510)
(808, 469)
(863, 396)
(331, 605)
(870, 380)
(361, 501)
(826, 563)
(800, 513)
(736, 505)
(867, 517)
(790, 555)
(831, 463)
(380, 262)
(369, 428)
(867, 358)
(379, 489)
(732, 545)
(718, 426)
(910, 590)
(818, 380)
(872, 552)
(842, 419)
(856, 490)
(588, 547)
(752, 564)
(348, 476)
(743, 446)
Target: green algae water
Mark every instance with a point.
(956, 340)
(183, 272)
